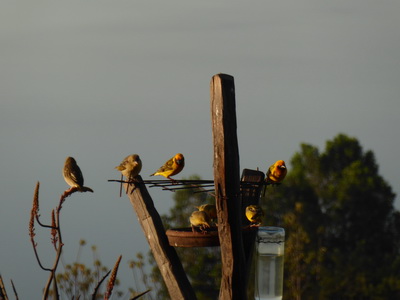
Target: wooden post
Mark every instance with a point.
(227, 186)
(166, 257)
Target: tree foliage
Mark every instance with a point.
(343, 233)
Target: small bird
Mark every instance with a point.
(200, 219)
(172, 167)
(73, 175)
(276, 172)
(210, 209)
(254, 214)
(130, 167)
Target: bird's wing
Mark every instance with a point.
(77, 176)
(167, 166)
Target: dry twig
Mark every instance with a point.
(56, 238)
(96, 289)
(14, 289)
(3, 293)
(140, 295)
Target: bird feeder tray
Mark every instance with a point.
(185, 237)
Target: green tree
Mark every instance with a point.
(202, 265)
(343, 233)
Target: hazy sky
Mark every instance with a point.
(98, 80)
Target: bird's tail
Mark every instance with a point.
(85, 189)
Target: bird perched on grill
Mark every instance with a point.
(210, 209)
(172, 167)
(200, 219)
(254, 214)
(276, 172)
(130, 167)
(73, 175)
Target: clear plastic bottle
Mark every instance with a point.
(270, 245)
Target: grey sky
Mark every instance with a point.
(99, 80)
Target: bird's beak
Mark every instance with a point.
(179, 161)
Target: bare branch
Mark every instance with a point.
(58, 255)
(98, 285)
(14, 289)
(3, 293)
(41, 224)
(54, 237)
(140, 295)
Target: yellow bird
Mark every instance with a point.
(200, 219)
(130, 167)
(254, 214)
(172, 167)
(210, 209)
(276, 172)
(73, 175)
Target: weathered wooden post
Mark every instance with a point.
(165, 255)
(227, 186)
(231, 201)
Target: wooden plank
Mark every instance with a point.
(226, 180)
(166, 257)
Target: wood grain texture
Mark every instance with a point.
(227, 187)
(166, 257)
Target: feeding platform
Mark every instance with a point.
(185, 237)
(232, 195)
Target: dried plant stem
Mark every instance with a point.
(14, 289)
(140, 295)
(41, 224)
(35, 215)
(98, 285)
(113, 277)
(56, 233)
(3, 293)
(56, 237)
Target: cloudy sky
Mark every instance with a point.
(98, 80)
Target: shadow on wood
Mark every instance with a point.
(166, 257)
(226, 183)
